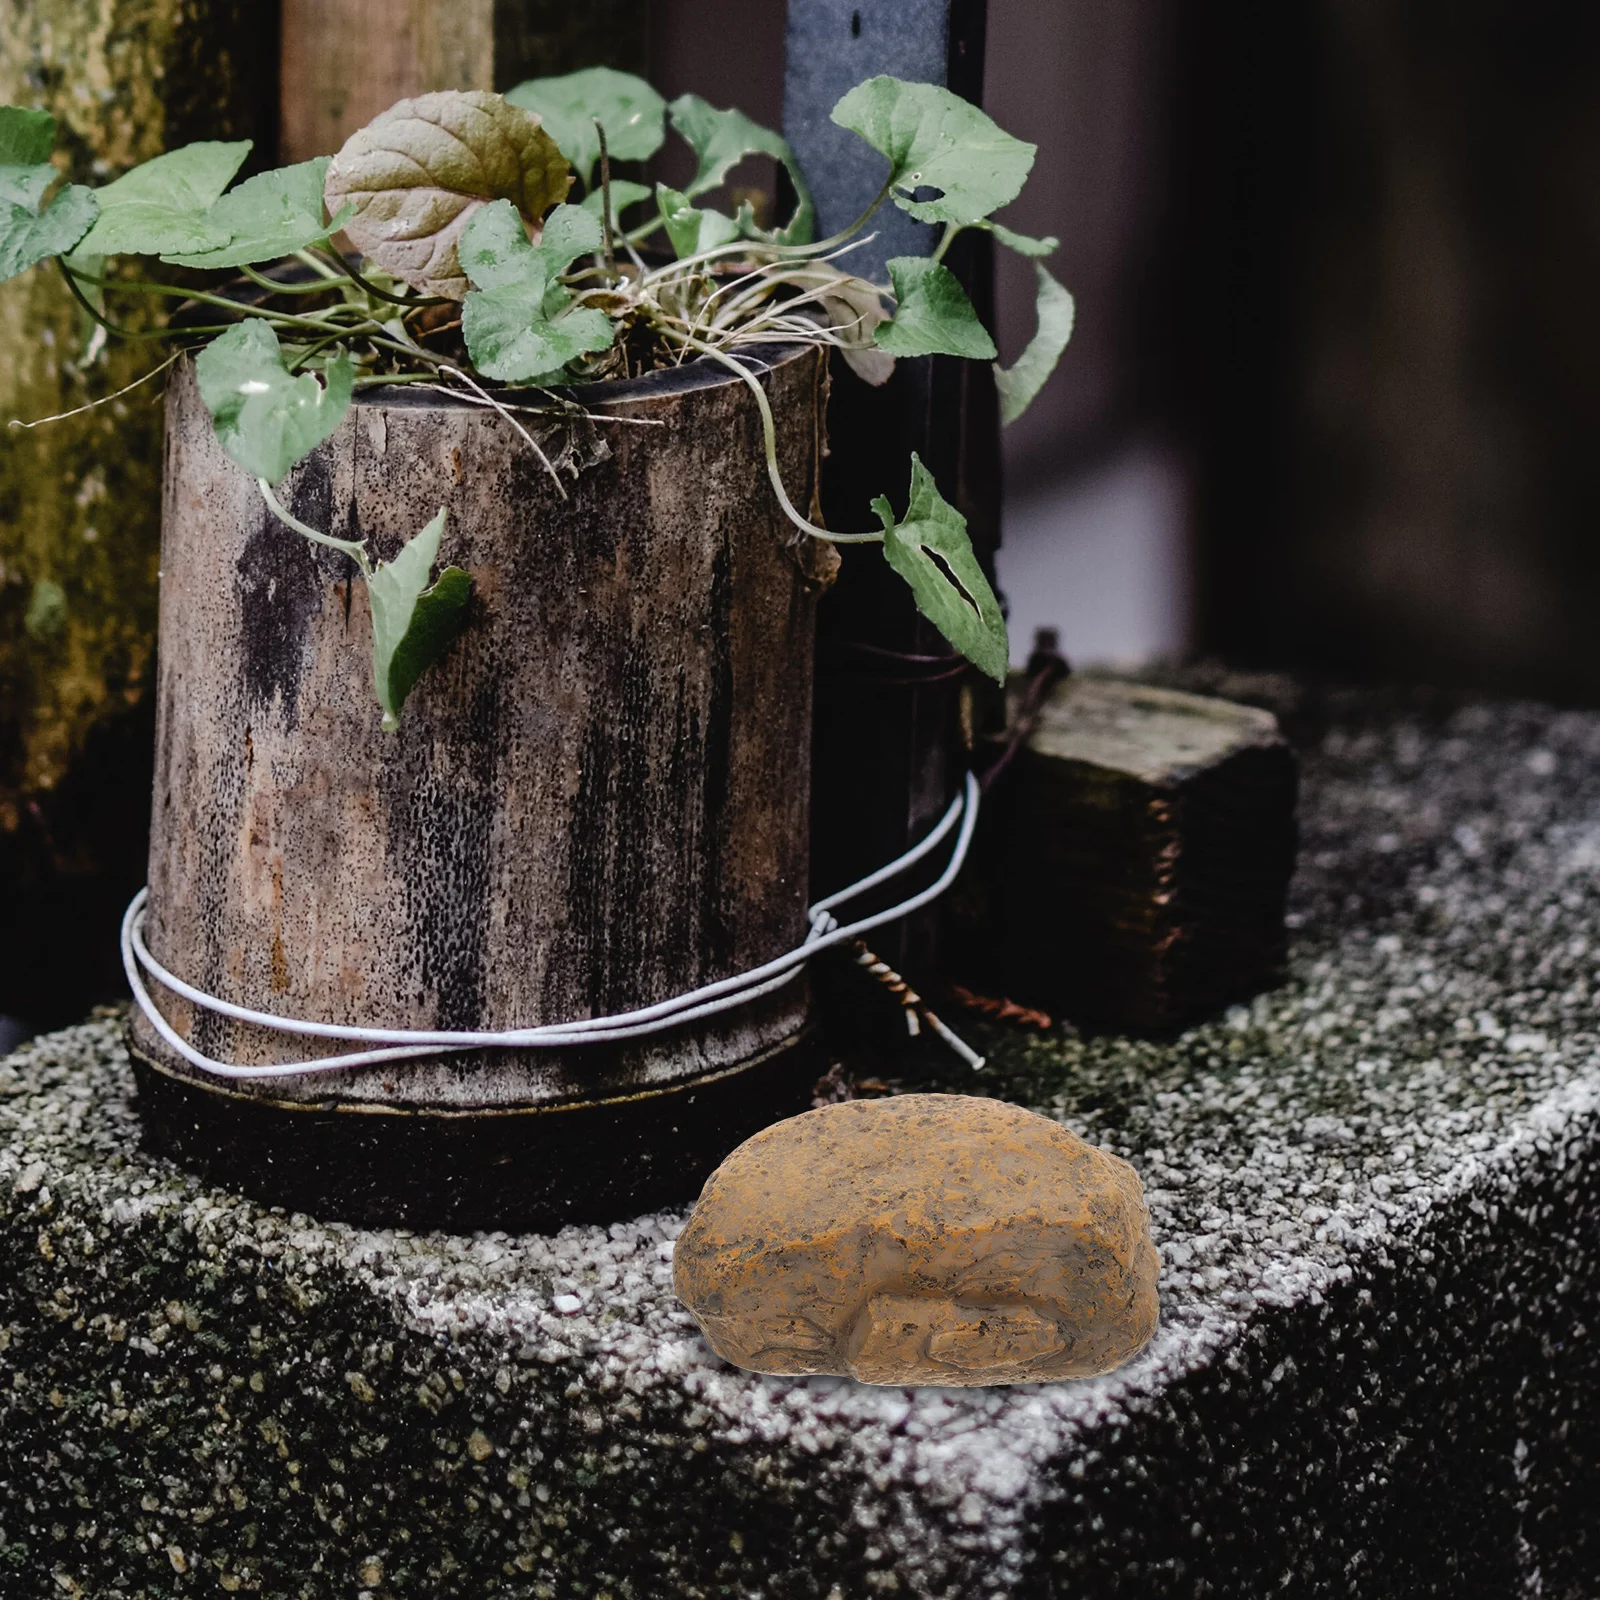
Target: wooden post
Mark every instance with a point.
(597, 802)
(888, 742)
(344, 61)
(80, 498)
(407, 47)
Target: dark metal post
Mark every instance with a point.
(887, 751)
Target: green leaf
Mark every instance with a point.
(418, 173)
(496, 252)
(933, 316)
(26, 140)
(507, 320)
(630, 111)
(267, 217)
(722, 139)
(161, 206)
(511, 339)
(1018, 384)
(930, 549)
(691, 230)
(935, 140)
(27, 237)
(412, 624)
(1021, 243)
(623, 194)
(265, 418)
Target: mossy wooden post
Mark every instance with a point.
(80, 498)
(597, 802)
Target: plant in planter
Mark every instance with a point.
(475, 260)
(560, 907)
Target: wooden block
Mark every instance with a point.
(1133, 865)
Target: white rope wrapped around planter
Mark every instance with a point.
(400, 1044)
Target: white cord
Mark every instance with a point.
(407, 1043)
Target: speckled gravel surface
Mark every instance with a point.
(1375, 1191)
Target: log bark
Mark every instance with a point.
(79, 498)
(597, 801)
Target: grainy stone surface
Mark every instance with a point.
(1375, 1193)
(924, 1238)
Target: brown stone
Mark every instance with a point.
(927, 1238)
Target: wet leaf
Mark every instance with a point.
(161, 206)
(266, 418)
(267, 217)
(722, 139)
(933, 316)
(935, 140)
(1018, 384)
(413, 624)
(418, 173)
(930, 549)
(630, 111)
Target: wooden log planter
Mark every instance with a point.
(597, 801)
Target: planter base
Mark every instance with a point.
(525, 1170)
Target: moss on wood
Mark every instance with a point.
(80, 498)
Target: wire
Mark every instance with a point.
(399, 1044)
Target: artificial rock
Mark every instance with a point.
(929, 1238)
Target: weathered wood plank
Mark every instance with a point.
(1132, 865)
(344, 61)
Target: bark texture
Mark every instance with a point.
(79, 530)
(597, 801)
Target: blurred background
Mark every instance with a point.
(1331, 404)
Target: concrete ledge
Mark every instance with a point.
(1376, 1193)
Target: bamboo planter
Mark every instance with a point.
(597, 801)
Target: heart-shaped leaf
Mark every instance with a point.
(26, 140)
(161, 206)
(413, 624)
(690, 229)
(930, 549)
(28, 236)
(722, 139)
(266, 217)
(630, 111)
(267, 419)
(416, 175)
(935, 140)
(496, 254)
(1018, 384)
(507, 320)
(933, 316)
(510, 338)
